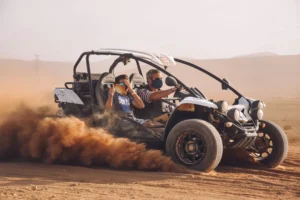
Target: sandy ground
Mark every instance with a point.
(24, 180)
(28, 180)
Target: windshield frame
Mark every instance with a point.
(209, 74)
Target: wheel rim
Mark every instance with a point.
(191, 148)
(263, 145)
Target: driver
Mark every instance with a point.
(152, 94)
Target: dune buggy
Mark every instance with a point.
(196, 131)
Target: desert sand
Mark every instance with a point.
(235, 179)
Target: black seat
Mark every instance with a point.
(106, 80)
(137, 81)
(83, 87)
(81, 84)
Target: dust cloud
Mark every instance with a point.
(29, 129)
(35, 134)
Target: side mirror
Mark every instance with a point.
(224, 87)
(171, 81)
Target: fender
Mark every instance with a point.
(197, 101)
(67, 96)
(187, 104)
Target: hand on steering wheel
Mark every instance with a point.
(178, 87)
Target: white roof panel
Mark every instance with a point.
(159, 59)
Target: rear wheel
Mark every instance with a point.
(196, 144)
(271, 144)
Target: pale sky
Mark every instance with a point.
(61, 29)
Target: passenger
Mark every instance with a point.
(119, 100)
(151, 95)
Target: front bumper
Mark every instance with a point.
(244, 136)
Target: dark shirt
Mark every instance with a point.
(152, 108)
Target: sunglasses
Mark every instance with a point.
(157, 79)
(122, 84)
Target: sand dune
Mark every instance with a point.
(253, 76)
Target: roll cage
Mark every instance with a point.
(150, 59)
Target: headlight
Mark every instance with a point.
(233, 114)
(258, 104)
(222, 106)
(257, 113)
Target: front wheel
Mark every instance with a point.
(271, 144)
(196, 144)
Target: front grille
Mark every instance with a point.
(243, 143)
(249, 125)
